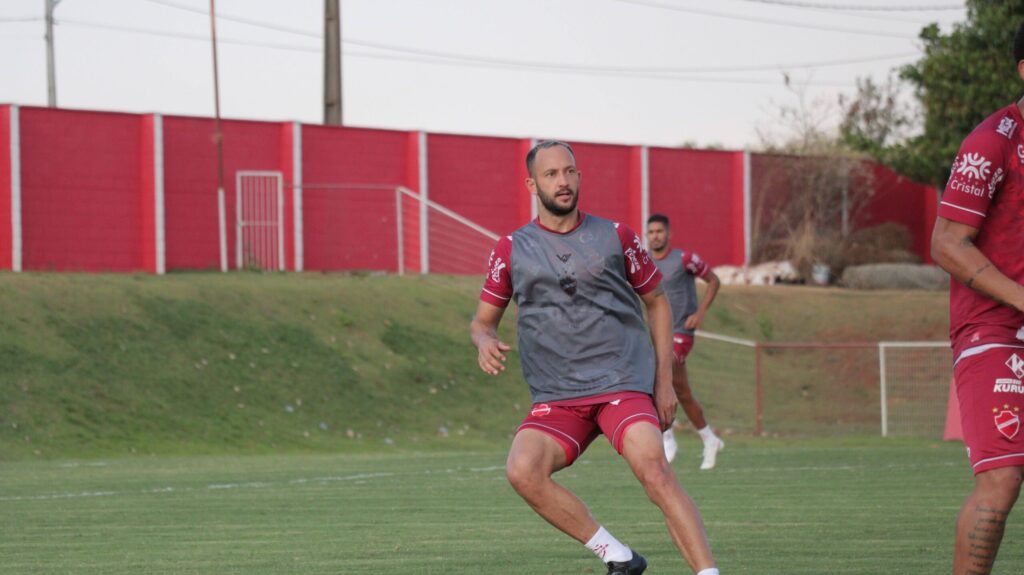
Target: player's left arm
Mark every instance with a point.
(694, 321)
(954, 250)
(659, 320)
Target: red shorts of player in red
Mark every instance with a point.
(681, 346)
(991, 396)
(574, 423)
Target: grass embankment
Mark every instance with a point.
(101, 365)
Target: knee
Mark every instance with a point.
(521, 475)
(657, 478)
(1002, 485)
(684, 394)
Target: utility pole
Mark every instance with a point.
(218, 137)
(332, 62)
(51, 73)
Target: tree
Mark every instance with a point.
(810, 186)
(877, 119)
(963, 77)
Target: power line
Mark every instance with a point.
(728, 16)
(417, 55)
(239, 19)
(185, 36)
(270, 26)
(860, 7)
(12, 19)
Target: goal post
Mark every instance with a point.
(913, 385)
(814, 388)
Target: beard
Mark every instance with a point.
(552, 205)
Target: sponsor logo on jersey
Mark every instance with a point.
(974, 166)
(960, 185)
(496, 268)
(1016, 365)
(634, 262)
(997, 178)
(1020, 152)
(1008, 385)
(1007, 420)
(1006, 127)
(564, 257)
(540, 410)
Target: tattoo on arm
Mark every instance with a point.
(977, 272)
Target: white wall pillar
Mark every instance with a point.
(645, 191)
(424, 214)
(15, 190)
(297, 193)
(158, 194)
(747, 221)
(534, 200)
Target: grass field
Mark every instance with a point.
(189, 364)
(772, 506)
(308, 423)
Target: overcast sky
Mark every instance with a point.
(655, 72)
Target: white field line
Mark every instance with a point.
(447, 471)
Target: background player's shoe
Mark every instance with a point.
(635, 566)
(671, 447)
(711, 449)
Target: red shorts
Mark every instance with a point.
(576, 423)
(991, 396)
(681, 346)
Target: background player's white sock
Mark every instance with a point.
(706, 434)
(709, 571)
(608, 548)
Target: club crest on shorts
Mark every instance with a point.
(1007, 420)
(540, 410)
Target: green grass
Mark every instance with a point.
(189, 364)
(772, 506)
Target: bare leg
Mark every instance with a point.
(688, 401)
(642, 448)
(982, 520)
(533, 458)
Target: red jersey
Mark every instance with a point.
(986, 191)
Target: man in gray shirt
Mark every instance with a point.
(587, 358)
(680, 269)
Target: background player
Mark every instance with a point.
(678, 269)
(587, 358)
(979, 239)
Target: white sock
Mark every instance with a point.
(709, 571)
(608, 548)
(707, 435)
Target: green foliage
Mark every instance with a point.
(209, 363)
(765, 326)
(964, 77)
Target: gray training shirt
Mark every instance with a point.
(678, 270)
(581, 331)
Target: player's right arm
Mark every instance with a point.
(484, 332)
(954, 250)
(976, 178)
(494, 298)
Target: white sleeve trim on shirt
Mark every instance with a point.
(496, 295)
(964, 209)
(646, 280)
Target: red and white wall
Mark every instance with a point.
(98, 191)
